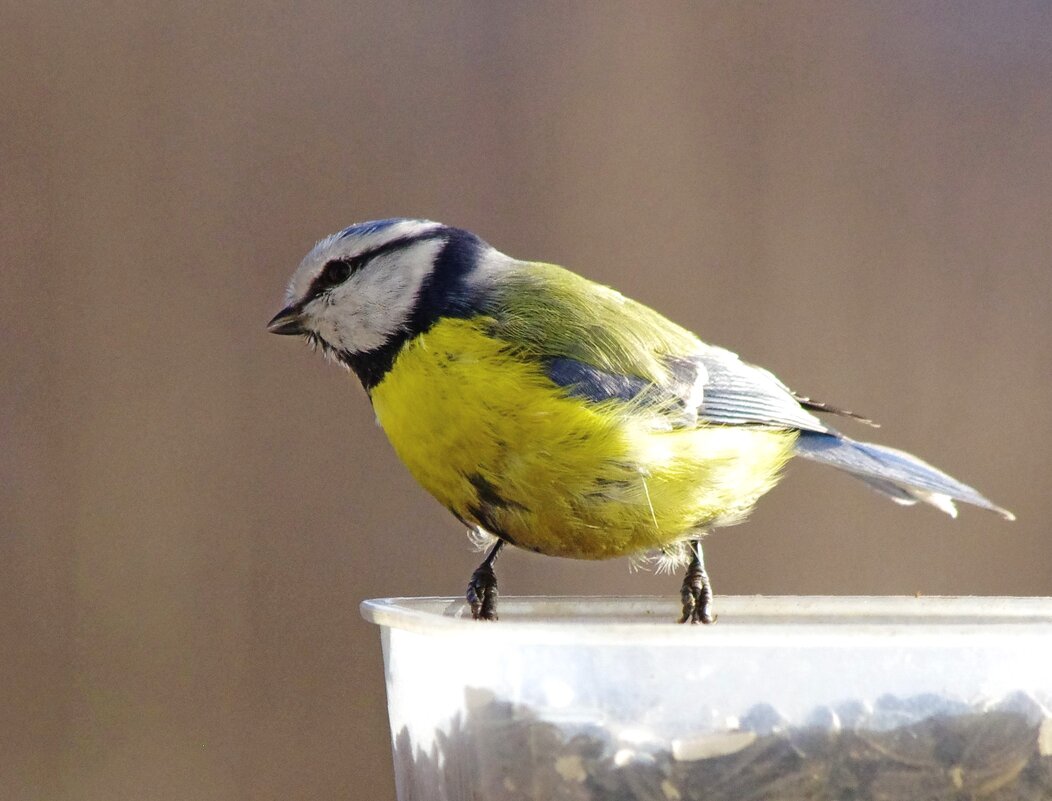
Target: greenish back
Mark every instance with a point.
(548, 312)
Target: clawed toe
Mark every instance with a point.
(482, 594)
(482, 589)
(697, 606)
(696, 591)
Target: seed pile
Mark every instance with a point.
(924, 748)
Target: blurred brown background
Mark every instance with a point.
(856, 196)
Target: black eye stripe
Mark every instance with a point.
(337, 271)
(399, 244)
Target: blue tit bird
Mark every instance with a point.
(554, 414)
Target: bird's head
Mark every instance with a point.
(368, 288)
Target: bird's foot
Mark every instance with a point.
(696, 591)
(482, 588)
(482, 593)
(697, 605)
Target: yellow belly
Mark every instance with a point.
(495, 441)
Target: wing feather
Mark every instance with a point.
(600, 345)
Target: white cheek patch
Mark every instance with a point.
(376, 303)
(367, 237)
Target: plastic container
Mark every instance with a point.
(784, 698)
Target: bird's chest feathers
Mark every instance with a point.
(486, 432)
(461, 410)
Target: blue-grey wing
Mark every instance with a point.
(585, 381)
(714, 386)
(734, 392)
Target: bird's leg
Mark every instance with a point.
(482, 589)
(697, 591)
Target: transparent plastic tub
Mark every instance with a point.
(784, 698)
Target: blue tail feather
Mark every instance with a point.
(900, 475)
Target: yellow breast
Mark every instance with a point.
(500, 445)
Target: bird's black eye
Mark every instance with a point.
(336, 272)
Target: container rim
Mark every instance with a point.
(742, 618)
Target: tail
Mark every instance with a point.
(897, 474)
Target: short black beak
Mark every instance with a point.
(287, 321)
